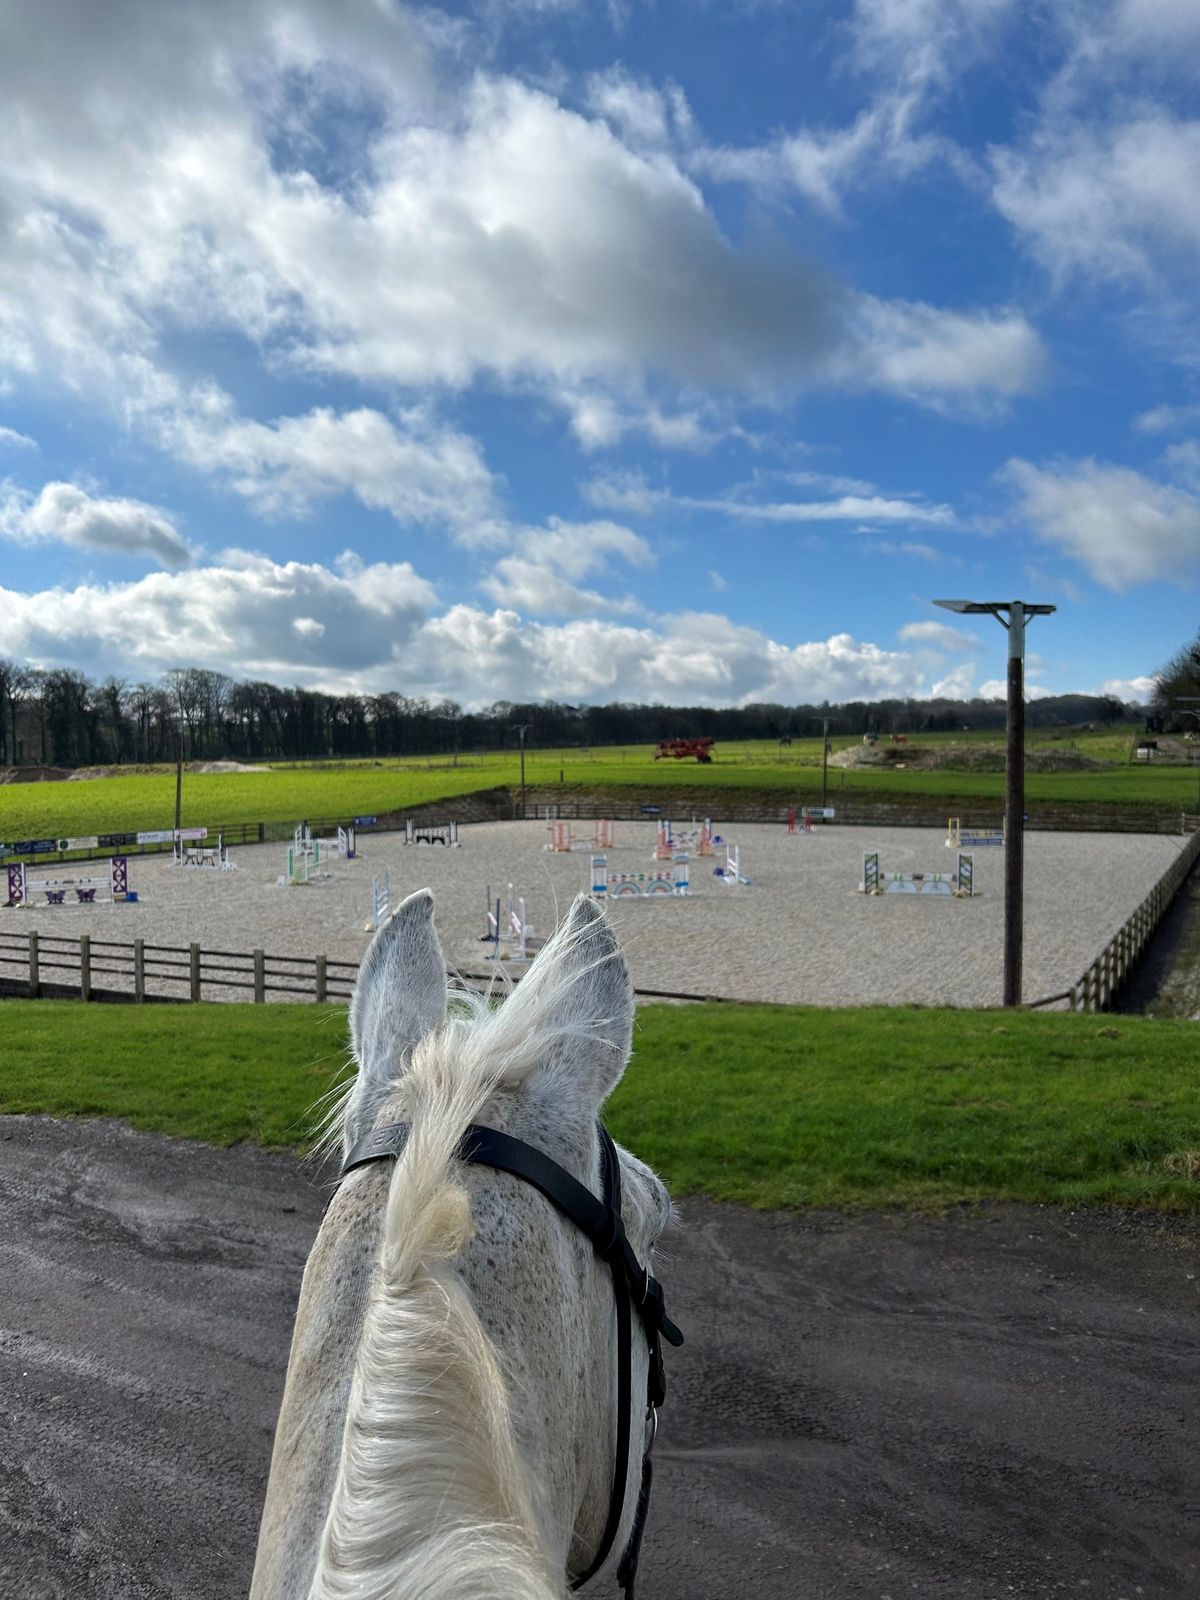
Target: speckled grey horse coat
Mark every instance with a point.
(449, 1420)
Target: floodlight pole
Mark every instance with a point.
(179, 775)
(825, 721)
(1013, 615)
(1014, 808)
(522, 728)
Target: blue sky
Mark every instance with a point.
(641, 351)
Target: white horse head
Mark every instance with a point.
(449, 1425)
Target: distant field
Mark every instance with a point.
(768, 1106)
(288, 792)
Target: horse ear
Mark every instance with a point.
(577, 1004)
(399, 997)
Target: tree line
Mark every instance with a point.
(1177, 684)
(63, 718)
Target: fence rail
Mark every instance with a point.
(38, 964)
(1098, 986)
(45, 966)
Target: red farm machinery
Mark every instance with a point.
(685, 749)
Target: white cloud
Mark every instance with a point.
(544, 574)
(910, 52)
(1117, 201)
(695, 658)
(643, 115)
(411, 466)
(819, 164)
(846, 508)
(65, 514)
(371, 628)
(480, 230)
(1167, 419)
(1183, 462)
(1123, 527)
(1165, 29)
(247, 615)
(967, 360)
(624, 489)
(997, 689)
(938, 634)
(902, 547)
(630, 492)
(600, 420)
(717, 582)
(10, 439)
(956, 685)
(1140, 689)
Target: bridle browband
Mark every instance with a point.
(633, 1289)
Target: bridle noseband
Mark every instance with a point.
(633, 1289)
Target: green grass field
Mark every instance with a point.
(287, 793)
(766, 1106)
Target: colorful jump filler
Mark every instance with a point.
(959, 884)
(444, 834)
(112, 887)
(190, 851)
(958, 837)
(664, 882)
(564, 838)
(802, 821)
(669, 843)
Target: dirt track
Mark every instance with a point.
(1000, 1402)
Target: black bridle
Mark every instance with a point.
(633, 1289)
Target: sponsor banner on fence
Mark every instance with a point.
(365, 822)
(114, 841)
(188, 833)
(32, 847)
(80, 844)
(159, 836)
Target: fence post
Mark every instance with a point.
(260, 978)
(194, 971)
(35, 980)
(262, 833)
(139, 969)
(85, 966)
(322, 980)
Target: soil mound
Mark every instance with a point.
(34, 774)
(960, 758)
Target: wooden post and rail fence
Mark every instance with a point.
(41, 965)
(46, 966)
(1099, 984)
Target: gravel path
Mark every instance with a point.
(995, 1403)
(799, 933)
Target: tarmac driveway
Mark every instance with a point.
(998, 1402)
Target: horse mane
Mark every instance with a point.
(432, 1497)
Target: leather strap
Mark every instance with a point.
(602, 1222)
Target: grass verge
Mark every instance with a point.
(767, 1106)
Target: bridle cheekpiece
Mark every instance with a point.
(634, 1289)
